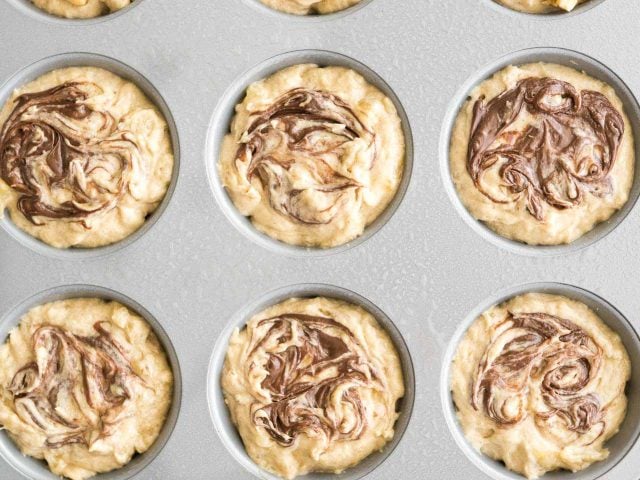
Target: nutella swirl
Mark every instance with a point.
(66, 160)
(75, 390)
(295, 148)
(560, 356)
(313, 368)
(566, 148)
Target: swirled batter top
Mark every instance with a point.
(542, 153)
(541, 6)
(84, 157)
(312, 386)
(310, 7)
(539, 383)
(84, 385)
(314, 155)
(81, 8)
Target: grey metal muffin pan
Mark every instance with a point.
(567, 58)
(65, 60)
(220, 414)
(37, 469)
(426, 269)
(220, 125)
(619, 445)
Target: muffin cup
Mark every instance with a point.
(559, 56)
(220, 413)
(219, 128)
(28, 8)
(37, 469)
(581, 8)
(65, 60)
(258, 5)
(619, 445)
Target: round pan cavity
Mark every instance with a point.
(619, 445)
(555, 15)
(65, 60)
(258, 5)
(577, 61)
(220, 413)
(220, 127)
(37, 469)
(28, 8)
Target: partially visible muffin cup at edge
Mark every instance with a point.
(65, 60)
(619, 445)
(553, 15)
(569, 58)
(220, 127)
(220, 414)
(262, 8)
(37, 469)
(28, 8)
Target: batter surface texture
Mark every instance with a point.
(312, 386)
(81, 8)
(310, 7)
(84, 385)
(539, 383)
(314, 156)
(85, 158)
(541, 153)
(541, 6)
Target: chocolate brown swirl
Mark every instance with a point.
(558, 355)
(314, 370)
(66, 160)
(565, 150)
(296, 148)
(75, 390)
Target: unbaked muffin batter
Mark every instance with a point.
(539, 384)
(542, 153)
(310, 7)
(541, 6)
(85, 157)
(80, 8)
(312, 386)
(314, 155)
(84, 385)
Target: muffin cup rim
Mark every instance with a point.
(29, 9)
(223, 425)
(550, 16)
(494, 468)
(219, 127)
(565, 57)
(10, 319)
(34, 70)
(257, 5)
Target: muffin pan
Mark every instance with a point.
(427, 268)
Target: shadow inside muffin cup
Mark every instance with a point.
(554, 15)
(220, 413)
(41, 67)
(577, 61)
(261, 7)
(37, 469)
(28, 8)
(619, 445)
(220, 127)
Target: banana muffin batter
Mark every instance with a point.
(541, 6)
(80, 8)
(312, 386)
(84, 385)
(85, 158)
(541, 153)
(310, 7)
(314, 155)
(539, 383)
